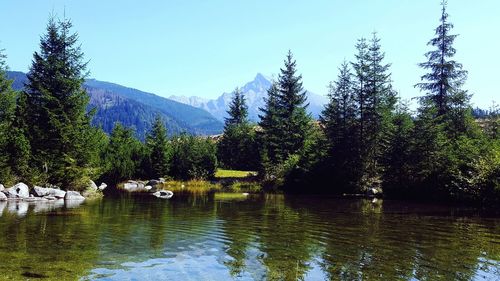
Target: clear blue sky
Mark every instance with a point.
(204, 48)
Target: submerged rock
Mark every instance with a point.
(164, 194)
(73, 195)
(19, 190)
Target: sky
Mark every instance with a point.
(204, 48)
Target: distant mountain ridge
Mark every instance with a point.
(255, 91)
(137, 109)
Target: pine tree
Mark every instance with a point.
(442, 84)
(340, 124)
(64, 145)
(291, 99)
(339, 115)
(380, 103)
(238, 110)
(159, 150)
(270, 134)
(238, 147)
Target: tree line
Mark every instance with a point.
(367, 138)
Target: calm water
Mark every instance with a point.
(269, 237)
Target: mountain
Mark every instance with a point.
(135, 108)
(255, 92)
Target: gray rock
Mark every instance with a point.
(2, 188)
(49, 191)
(164, 194)
(50, 197)
(3, 197)
(19, 190)
(73, 195)
(148, 187)
(133, 186)
(102, 186)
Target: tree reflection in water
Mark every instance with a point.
(271, 237)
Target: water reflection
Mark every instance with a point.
(207, 237)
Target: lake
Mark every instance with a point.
(256, 237)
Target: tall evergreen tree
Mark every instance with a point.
(340, 124)
(64, 145)
(292, 101)
(443, 83)
(238, 110)
(238, 147)
(375, 101)
(270, 134)
(159, 150)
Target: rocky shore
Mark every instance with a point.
(21, 192)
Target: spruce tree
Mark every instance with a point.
(159, 149)
(64, 146)
(238, 147)
(340, 122)
(295, 123)
(443, 83)
(238, 110)
(270, 134)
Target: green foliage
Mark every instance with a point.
(64, 146)
(158, 149)
(238, 146)
(7, 116)
(285, 123)
(123, 155)
(193, 158)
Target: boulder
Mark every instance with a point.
(92, 185)
(102, 186)
(3, 197)
(133, 186)
(19, 190)
(164, 194)
(2, 188)
(49, 192)
(73, 195)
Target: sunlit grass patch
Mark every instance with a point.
(192, 186)
(222, 173)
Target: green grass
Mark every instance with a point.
(221, 174)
